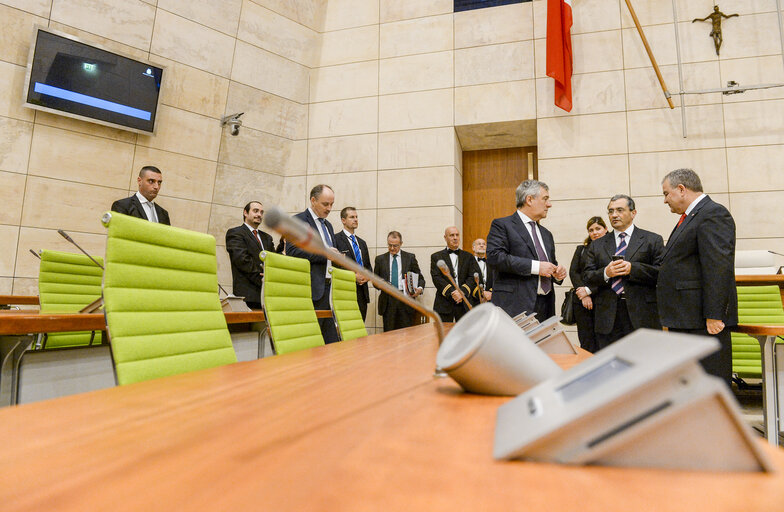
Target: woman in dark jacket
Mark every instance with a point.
(583, 304)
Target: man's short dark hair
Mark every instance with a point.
(629, 200)
(685, 177)
(316, 191)
(344, 211)
(150, 168)
(395, 234)
(247, 206)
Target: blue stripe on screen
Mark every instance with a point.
(91, 101)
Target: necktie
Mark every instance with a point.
(680, 221)
(617, 282)
(153, 215)
(482, 259)
(258, 239)
(394, 272)
(327, 238)
(453, 251)
(357, 252)
(547, 285)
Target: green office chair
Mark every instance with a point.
(756, 305)
(343, 298)
(67, 283)
(160, 292)
(287, 303)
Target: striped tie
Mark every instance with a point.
(617, 282)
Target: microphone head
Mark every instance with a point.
(273, 216)
(64, 234)
(476, 275)
(442, 267)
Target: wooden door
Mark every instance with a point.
(490, 178)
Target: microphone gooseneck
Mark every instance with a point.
(65, 235)
(479, 285)
(445, 270)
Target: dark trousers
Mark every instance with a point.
(253, 305)
(457, 312)
(397, 315)
(544, 307)
(362, 308)
(719, 363)
(328, 329)
(621, 326)
(585, 330)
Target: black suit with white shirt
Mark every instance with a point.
(246, 267)
(443, 304)
(344, 245)
(133, 207)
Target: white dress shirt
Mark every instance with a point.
(321, 234)
(149, 208)
(617, 236)
(534, 233)
(694, 203)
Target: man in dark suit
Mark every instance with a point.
(696, 287)
(321, 199)
(621, 270)
(448, 302)
(141, 204)
(393, 266)
(244, 243)
(523, 255)
(479, 248)
(353, 247)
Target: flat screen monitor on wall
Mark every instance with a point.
(69, 77)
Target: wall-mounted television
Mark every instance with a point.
(69, 77)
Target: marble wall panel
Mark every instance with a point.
(186, 214)
(349, 45)
(696, 46)
(395, 10)
(754, 71)
(750, 209)
(661, 130)
(416, 148)
(414, 110)
(494, 63)
(72, 156)
(297, 164)
(588, 16)
(416, 73)
(491, 103)
(278, 34)
(84, 127)
(344, 81)
(504, 24)
(223, 218)
(25, 286)
(107, 43)
(224, 265)
(648, 169)
(357, 189)
(592, 93)
(586, 47)
(223, 16)
(184, 132)
(567, 218)
(420, 227)
(343, 154)
(340, 14)
(755, 168)
(592, 134)
(269, 72)
(27, 265)
(753, 123)
(184, 177)
(6, 285)
(17, 34)
(420, 35)
(584, 178)
(307, 12)
(12, 87)
(12, 188)
(430, 186)
(193, 44)
(747, 36)
(37, 7)
(15, 139)
(268, 112)
(343, 117)
(235, 186)
(192, 89)
(294, 196)
(256, 150)
(643, 89)
(651, 12)
(79, 205)
(127, 21)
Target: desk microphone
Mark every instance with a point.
(481, 287)
(65, 235)
(776, 253)
(299, 233)
(445, 270)
(35, 254)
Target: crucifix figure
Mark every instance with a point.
(715, 18)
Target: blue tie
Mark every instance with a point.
(393, 276)
(357, 252)
(326, 233)
(617, 282)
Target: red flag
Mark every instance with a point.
(559, 50)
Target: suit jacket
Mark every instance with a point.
(343, 245)
(408, 263)
(466, 267)
(644, 251)
(131, 206)
(318, 263)
(697, 273)
(246, 266)
(510, 250)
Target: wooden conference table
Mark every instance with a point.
(353, 426)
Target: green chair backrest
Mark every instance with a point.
(343, 297)
(287, 302)
(160, 293)
(68, 282)
(756, 305)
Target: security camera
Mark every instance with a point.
(233, 120)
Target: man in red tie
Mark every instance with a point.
(244, 244)
(695, 290)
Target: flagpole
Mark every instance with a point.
(650, 54)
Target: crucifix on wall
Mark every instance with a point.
(716, 16)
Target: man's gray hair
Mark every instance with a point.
(629, 200)
(529, 188)
(685, 177)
